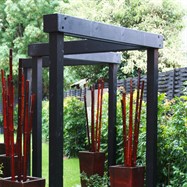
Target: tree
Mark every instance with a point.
(160, 17)
(21, 24)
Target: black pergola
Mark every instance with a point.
(95, 38)
(33, 71)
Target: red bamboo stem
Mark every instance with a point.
(20, 120)
(100, 114)
(10, 62)
(5, 115)
(11, 113)
(8, 118)
(97, 114)
(87, 124)
(136, 121)
(129, 147)
(123, 104)
(11, 126)
(138, 125)
(92, 118)
(26, 130)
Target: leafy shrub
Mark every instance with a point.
(95, 180)
(74, 125)
(172, 140)
(45, 121)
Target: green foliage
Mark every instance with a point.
(21, 24)
(163, 17)
(172, 140)
(95, 180)
(74, 126)
(45, 121)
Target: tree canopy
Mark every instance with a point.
(21, 24)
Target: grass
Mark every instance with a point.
(71, 168)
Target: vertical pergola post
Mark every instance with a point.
(37, 118)
(151, 134)
(56, 57)
(112, 114)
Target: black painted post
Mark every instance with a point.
(56, 56)
(37, 117)
(28, 76)
(112, 114)
(151, 136)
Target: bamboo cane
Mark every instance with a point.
(100, 113)
(11, 126)
(10, 62)
(26, 129)
(11, 113)
(92, 119)
(20, 120)
(129, 147)
(136, 120)
(87, 124)
(138, 124)
(123, 104)
(97, 114)
(5, 107)
(8, 117)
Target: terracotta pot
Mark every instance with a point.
(2, 148)
(121, 176)
(91, 163)
(30, 182)
(6, 161)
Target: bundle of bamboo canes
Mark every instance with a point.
(131, 142)
(25, 115)
(96, 119)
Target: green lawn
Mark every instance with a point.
(71, 168)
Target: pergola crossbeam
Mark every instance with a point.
(82, 28)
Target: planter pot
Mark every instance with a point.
(2, 148)
(30, 182)
(121, 176)
(6, 161)
(91, 163)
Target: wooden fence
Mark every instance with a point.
(173, 83)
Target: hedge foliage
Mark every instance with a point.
(74, 125)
